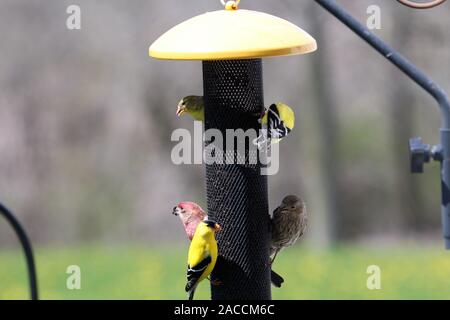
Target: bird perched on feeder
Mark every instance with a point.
(202, 255)
(195, 107)
(288, 224)
(277, 122)
(192, 105)
(190, 214)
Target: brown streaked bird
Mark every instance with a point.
(288, 224)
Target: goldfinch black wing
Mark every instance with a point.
(195, 272)
(276, 127)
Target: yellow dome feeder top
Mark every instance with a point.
(232, 34)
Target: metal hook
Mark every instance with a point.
(231, 4)
(422, 5)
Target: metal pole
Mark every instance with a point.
(237, 193)
(442, 152)
(27, 248)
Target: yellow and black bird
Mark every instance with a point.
(202, 255)
(277, 122)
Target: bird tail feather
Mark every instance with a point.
(276, 279)
(191, 294)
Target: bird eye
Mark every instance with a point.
(292, 207)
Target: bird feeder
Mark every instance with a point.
(231, 43)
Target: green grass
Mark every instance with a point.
(143, 273)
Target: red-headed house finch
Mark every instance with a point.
(190, 215)
(288, 223)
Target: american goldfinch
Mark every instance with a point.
(194, 106)
(277, 123)
(288, 223)
(202, 255)
(190, 214)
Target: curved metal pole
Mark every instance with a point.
(425, 5)
(28, 250)
(421, 79)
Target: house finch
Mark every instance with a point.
(277, 122)
(202, 255)
(288, 223)
(190, 214)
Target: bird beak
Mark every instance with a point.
(181, 109)
(217, 228)
(176, 210)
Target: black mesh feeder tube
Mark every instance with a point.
(237, 193)
(231, 43)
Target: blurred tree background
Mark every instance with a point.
(86, 118)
